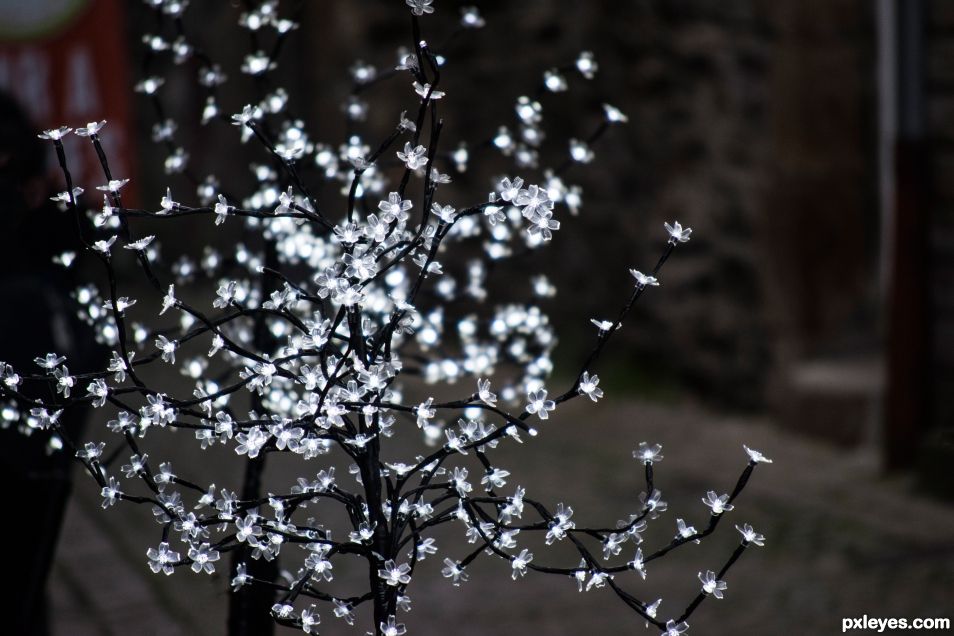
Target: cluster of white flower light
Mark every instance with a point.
(324, 329)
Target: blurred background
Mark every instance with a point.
(810, 146)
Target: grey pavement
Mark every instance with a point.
(842, 541)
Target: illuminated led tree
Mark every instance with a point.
(328, 334)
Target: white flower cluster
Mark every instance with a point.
(326, 337)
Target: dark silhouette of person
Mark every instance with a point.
(37, 315)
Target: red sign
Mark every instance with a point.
(65, 62)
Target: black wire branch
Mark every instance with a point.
(326, 320)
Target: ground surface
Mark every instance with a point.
(842, 541)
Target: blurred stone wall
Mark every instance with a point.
(695, 79)
(940, 120)
(937, 450)
(750, 120)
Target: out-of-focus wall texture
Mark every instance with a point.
(935, 457)
(756, 123)
(750, 121)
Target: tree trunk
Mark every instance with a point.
(250, 606)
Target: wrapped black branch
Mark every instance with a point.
(334, 326)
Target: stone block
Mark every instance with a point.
(940, 54)
(941, 116)
(838, 401)
(942, 176)
(941, 14)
